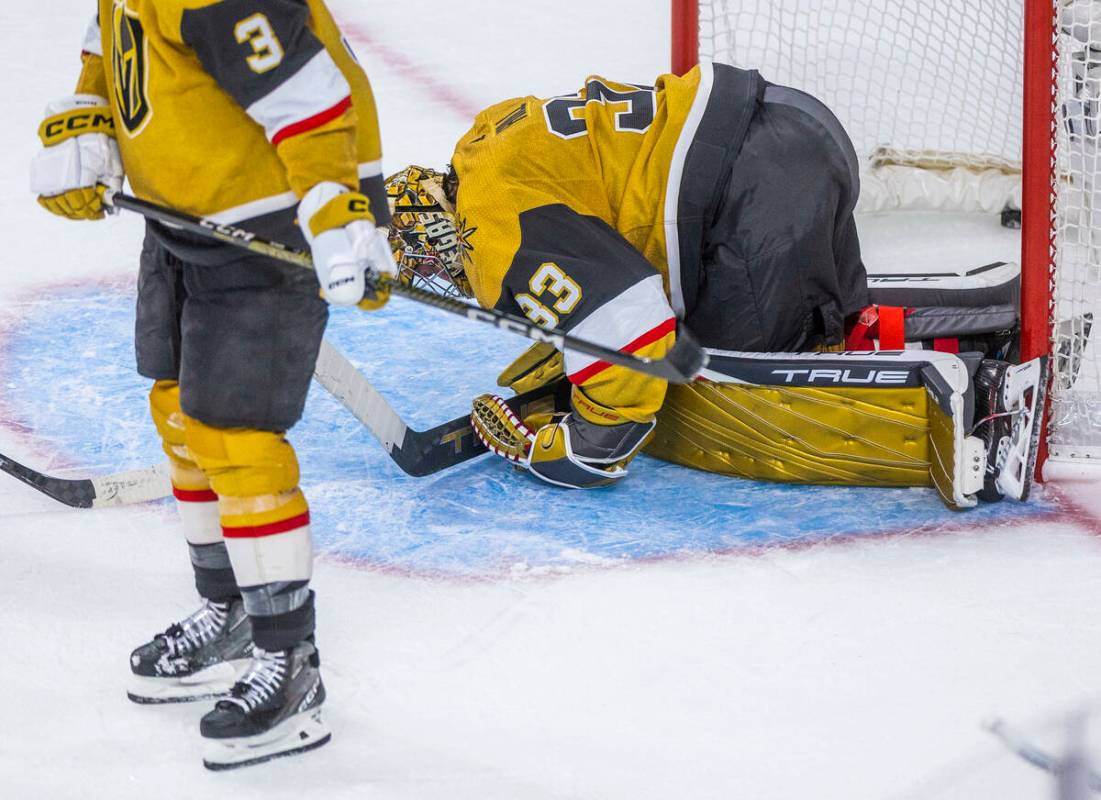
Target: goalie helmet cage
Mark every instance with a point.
(993, 86)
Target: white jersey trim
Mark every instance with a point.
(676, 173)
(279, 202)
(93, 40)
(316, 88)
(621, 320)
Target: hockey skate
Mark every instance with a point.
(198, 658)
(1010, 402)
(274, 711)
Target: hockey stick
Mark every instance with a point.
(119, 489)
(417, 453)
(680, 365)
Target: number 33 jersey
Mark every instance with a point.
(587, 212)
(234, 108)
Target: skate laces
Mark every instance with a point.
(193, 632)
(992, 417)
(264, 677)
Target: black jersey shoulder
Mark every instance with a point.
(586, 249)
(226, 35)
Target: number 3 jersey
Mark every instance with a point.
(233, 109)
(587, 212)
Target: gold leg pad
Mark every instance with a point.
(860, 437)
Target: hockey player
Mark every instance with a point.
(255, 113)
(719, 202)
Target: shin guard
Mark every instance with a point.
(195, 499)
(265, 522)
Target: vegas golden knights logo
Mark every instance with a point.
(130, 64)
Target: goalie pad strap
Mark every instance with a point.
(892, 328)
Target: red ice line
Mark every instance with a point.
(425, 80)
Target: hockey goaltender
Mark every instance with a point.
(723, 203)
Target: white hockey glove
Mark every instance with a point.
(80, 160)
(347, 247)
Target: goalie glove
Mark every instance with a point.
(349, 252)
(80, 159)
(569, 451)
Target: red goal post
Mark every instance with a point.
(1038, 140)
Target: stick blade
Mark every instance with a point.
(122, 488)
(135, 486)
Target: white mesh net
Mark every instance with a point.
(925, 75)
(941, 80)
(1076, 393)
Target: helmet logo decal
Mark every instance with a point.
(429, 244)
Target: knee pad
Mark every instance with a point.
(164, 407)
(265, 518)
(242, 462)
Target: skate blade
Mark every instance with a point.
(1017, 455)
(213, 682)
(298, 734)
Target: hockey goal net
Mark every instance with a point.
(967, 107)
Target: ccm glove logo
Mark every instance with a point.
(78, 122)
(342, 210)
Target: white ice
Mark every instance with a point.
(857, 671)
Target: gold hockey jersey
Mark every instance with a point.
(233, 109)
(586, 212)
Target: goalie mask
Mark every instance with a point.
(426, 243)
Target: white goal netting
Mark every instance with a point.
(1076, 275)
(939, 82)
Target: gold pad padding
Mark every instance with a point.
(842, 436)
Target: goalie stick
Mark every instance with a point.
(681, 364)
(417, 453)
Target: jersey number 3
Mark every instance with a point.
(636, 117)
(267, 52)
(549, 279)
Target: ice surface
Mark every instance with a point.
(481, 519)
(483, 637)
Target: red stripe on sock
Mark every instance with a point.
(193, 496)
(651, 336)
(316, 121)
(272, 528)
